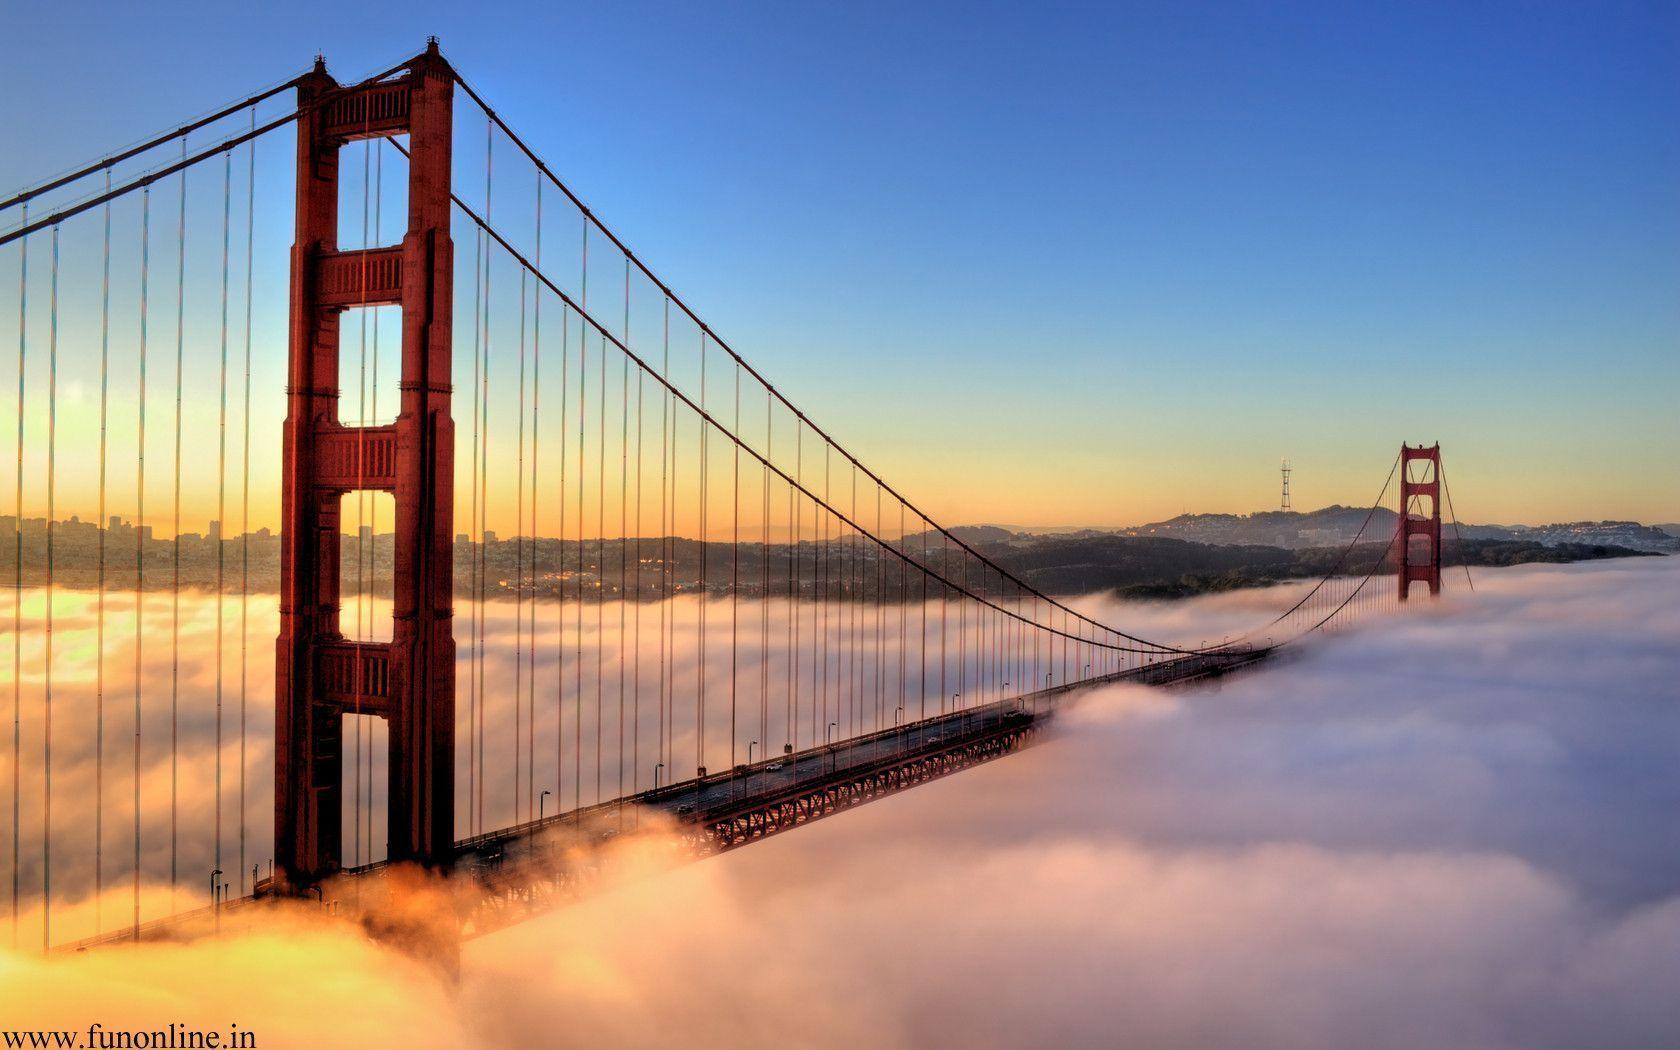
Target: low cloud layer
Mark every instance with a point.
(1450, 829)
(1453, 829)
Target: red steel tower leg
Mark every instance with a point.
(319, 675)
(1419, 520)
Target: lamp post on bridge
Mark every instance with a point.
(215, 905)
(542, 798)
(750, 745)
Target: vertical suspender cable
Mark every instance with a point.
(962, 636)
(636, 653)
(847, 663)
(536, 392)
(473, 807)
(735, 573)
(52, 479)
(671, 549)
(601, 571)
(921, 674)
(17, 575)
(903, 612)
(700, 684)
(577, 660)
(245, 490)
(140, 528)
(764, 585)
(480, 478)
(623, 533)
(520, 809)
(944, 616)
(560, 610)
(794, 568)
(846, 672)
(882, 690)
(221, 488)
(859, 582)
(17, 572)
(583, 408)
(483, 453)
(175, 586)
(560, 607)
(99, 640)
(842, 697)
(826, 563)
(666, 470)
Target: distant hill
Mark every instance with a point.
(1162, 567)
(1337, 525)
(1276, 528)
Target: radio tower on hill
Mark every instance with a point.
(1285, 485)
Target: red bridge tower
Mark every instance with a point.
(319, 675)
(1418, 538)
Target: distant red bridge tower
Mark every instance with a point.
(320, 676)
(1418, 531)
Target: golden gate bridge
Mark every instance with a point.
(715, 618)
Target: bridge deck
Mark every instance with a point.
(505, 875)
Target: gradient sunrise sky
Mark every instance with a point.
(1097, 264)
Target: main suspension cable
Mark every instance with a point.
(72, 210)
(106, 163)
(710, 422)
(708, 333)
(1336, 567)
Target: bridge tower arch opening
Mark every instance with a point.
(1418, 540)
(320, 676)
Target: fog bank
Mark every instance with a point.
(1450, 829)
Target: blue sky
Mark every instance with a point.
(1091, 265)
